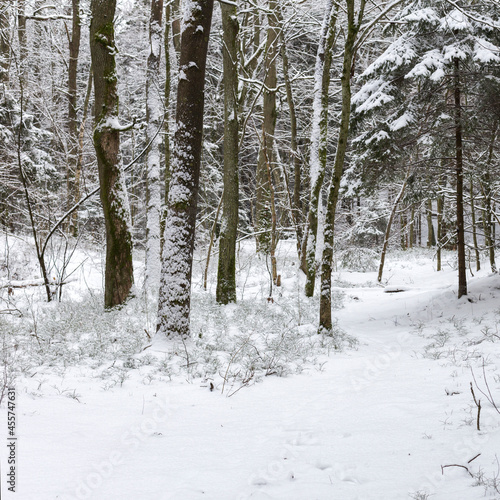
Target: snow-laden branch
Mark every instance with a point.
(50, 18)
(228, 2)
(474, 18)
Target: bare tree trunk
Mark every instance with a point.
(319, 135)
(389, 226)
(488, 224)
(226, 275)
(296, 205)
(440, 214)
(474, 228)
(462, 269)
(176, 25)
(412, 226)
(154, 111)
(325, 300)
(79, 154)
(73, 186)
(174, 302)
(4, 41)
(21, 35)
(431, 238)
(166, 124)
(119, 271)
(263, 188)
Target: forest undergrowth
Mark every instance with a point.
(230, 346)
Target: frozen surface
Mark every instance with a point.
(375, 422)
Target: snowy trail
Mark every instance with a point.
(375, 423)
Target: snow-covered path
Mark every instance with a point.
(374, 423)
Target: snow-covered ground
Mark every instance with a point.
(289, 416)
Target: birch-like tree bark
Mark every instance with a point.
(177, 259)
(154, 108)
(118, 278)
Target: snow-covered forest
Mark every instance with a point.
(248, 249)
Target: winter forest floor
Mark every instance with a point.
(105, 413)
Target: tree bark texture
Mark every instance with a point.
(319, 136)
(226, 275)
(177, 258)
(4, 41)
(154, 111)
(73, 186)
(119, 272)
(166, 124)
(388, 228)
(462, 269)
(263, 188)
(325, 301)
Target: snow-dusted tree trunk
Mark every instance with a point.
(319, 135)
(488, 224)
(226, 276)
(119, 271)
(73, 184)
(325, 301)
(462, 269)
(21, 36)
(166, 123)
(177, 258)
(387, 235)
(4, 41)
(263, 214)
(296, 163)
(154, 109)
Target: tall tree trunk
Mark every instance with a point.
(73, 186)
(226, 275)
(412, 226)
(319, 135)
(325, 300)
(176, 25)
(21, 35)
(431, 237)
(295, 205)
(474, 225)
(387, 235)
(177, 259)
(488, 224)
(263, 188)
(119, 271)
(462, 269)
(440, 231)
(166, 125)
(154, 109)
(4, 41)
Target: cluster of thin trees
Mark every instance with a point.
(304, 119)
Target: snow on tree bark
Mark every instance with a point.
(4, 41)
(226, 276)
(73, 184)
(319, 134)
(153, 118)
(263, 214)
(325, 301)
(119, 271)
(177, 258)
